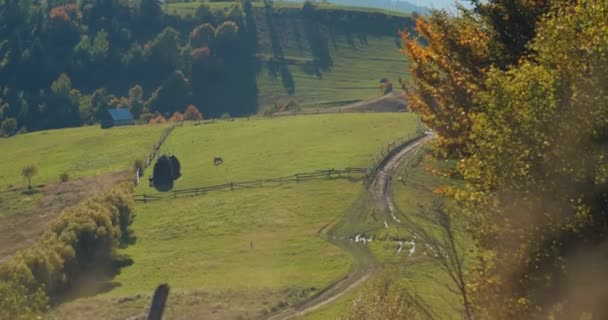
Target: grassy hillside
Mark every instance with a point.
(188, 8)
(79, 152)
(359, 57)
(268, 148)
(250, 251)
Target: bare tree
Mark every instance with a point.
(435, 229)
(29, 172)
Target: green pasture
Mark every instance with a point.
(354, 75)
(248, 243)
(270, 148)
(79, 152)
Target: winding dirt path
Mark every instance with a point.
(364, 262)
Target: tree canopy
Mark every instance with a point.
(517, 91)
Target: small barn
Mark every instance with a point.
(117, 117)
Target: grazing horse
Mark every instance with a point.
(217, 161)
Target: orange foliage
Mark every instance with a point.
(448, 59)
(177, 117)
(66, 13)
(192, 113)
(158, 119)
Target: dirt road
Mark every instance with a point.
(363, 261)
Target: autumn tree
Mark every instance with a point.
(449, 57)
(18, 302)
(29, 172)
(202, 36)
(192, 113)
(226, 35)
(537, 175)
(177, 117)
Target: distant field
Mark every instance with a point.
(79, 152)
(269, 148)
(238, 253)
(355, 74)
(188, 8)
(359, 60)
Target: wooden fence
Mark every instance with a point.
(298, 177)
(388, 152)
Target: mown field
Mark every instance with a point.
(252, 251)
(79, 152)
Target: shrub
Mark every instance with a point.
(290, 105)
(225, 116)
(158, 119)
(64, 177)
(8, 127)
(192, 113)
(85, 235)
(17, 303)
(270, 110)
(29, 172)
(177, 117)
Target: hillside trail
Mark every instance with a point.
(377, 198)
(391, 102)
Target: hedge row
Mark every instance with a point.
(81, 236)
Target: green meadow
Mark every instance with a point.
(252, 250)
(79, 152)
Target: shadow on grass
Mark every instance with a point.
(95, 281)
(164, 187)
(32, 191)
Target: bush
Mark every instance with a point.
(177, 117)
(82, 236)
(225, 116)
(192, 113)
(64, 177)
(8, 127)
(16, 302)
(290, 105)
(158, 119)
(270, 110)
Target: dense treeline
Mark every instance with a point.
(81, 238)
(517, 91)
(63, 63)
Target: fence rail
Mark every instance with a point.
(298, 177)
(387, 152)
